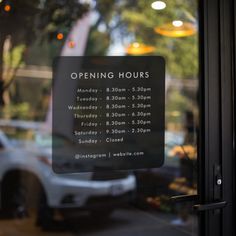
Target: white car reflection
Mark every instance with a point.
(27, 179)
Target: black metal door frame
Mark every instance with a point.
(216, 133)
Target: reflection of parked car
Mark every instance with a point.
(27, 178)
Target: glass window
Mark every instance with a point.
(136, 202)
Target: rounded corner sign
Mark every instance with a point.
(108, 113)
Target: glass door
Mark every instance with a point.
(189, 194)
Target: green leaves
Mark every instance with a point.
(136, 20)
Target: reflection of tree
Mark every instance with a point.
(98, 42)
(24, 21)
(137, 20)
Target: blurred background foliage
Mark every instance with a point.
(30, 21)
(31, 38)
(98, 42)
(136, 20)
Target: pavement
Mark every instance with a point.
(123, 222)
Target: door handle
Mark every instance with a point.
(210, 206)
(184, 198)
(199, 207)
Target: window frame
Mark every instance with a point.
(216, 98)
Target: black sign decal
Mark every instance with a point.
(108, 113)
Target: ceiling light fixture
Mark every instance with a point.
(139, 49)
(158, 5)
(177, 23)
(177, 29)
